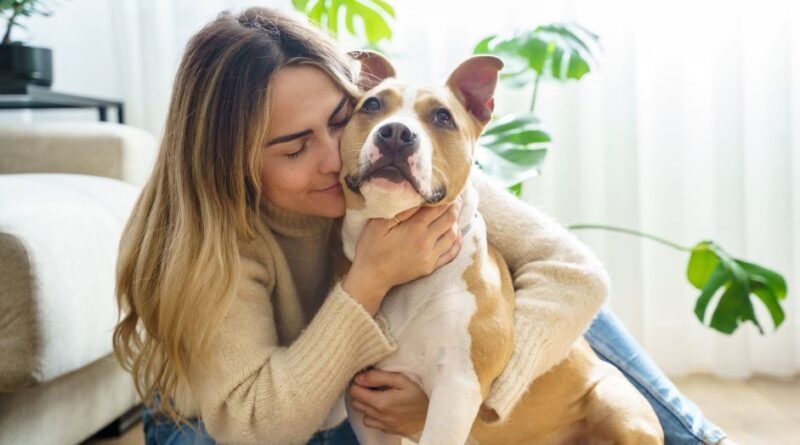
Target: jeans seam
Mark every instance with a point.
(610, 356)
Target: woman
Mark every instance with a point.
(233, 322)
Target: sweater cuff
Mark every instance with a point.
(517, 377)
(340, 340)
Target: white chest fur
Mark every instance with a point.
(430, 318)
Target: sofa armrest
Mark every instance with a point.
(59, 238)
(89, 148)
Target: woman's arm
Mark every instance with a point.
(559, 283)
(251, 390)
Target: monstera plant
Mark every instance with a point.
(374, 15)
(513, 148)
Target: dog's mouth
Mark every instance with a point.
(396, 172)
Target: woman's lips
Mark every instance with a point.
(334, 189)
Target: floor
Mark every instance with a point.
(759, 411)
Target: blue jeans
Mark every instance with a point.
(682, 420)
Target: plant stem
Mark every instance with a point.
(630, 232)
(11, 23)
(535, 91)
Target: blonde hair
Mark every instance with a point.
(178, 260)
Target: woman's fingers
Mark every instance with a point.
(451, 253)
(366, 409)
(366, 396)
(446, 220)
(377, 424)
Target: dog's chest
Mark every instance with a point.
(430, 317)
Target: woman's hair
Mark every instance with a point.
(178, 262)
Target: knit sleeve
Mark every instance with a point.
(559, 286)
(251, 390)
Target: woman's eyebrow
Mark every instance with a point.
(300, 134)
(339, 106)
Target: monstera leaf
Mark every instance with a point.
(560, 51)
(512, 149)
(327, 14)
(712, 270)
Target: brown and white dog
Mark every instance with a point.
(405, 147)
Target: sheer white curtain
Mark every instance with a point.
(690, 130)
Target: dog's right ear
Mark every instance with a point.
(374, 68)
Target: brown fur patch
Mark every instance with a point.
(492, 326)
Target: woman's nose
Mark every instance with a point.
(332, 162)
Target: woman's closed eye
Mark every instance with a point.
(303, 146)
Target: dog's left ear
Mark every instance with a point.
(374, 68)
(473, 83)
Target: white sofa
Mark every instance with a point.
(66, 191)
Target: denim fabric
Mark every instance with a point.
(682, 420)
(338, 435)
(160, 430)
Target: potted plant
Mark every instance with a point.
(21, 64)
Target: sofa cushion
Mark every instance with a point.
(87, 148)
(59, 235)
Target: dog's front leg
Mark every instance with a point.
(455, 399)
(365, 434)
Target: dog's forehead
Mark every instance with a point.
(402, 95)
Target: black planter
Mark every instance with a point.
(25, 65)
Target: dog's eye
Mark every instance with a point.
(371, 105)
(443, 118)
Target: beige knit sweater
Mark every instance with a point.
(293, 339)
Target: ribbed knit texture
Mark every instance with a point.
(272, 376)
(281, 360)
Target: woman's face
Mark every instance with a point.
(300, 164)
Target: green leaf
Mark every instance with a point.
(732, 307)
(525, 157)
(316, 12)
(333, 17)
(375, 25)
(702, 263)
(386, 7)
(327, 15)
(770, 300)
(518, 136)
(300, 5)
(560, 51)
(713, 282)
(483, 46)
(502, 171)
(512, 148)
(511, 122)
(516, 189)
(710, 268)
(770, 278)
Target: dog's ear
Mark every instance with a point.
(374, 68)
(473, 83)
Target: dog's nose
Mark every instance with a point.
(396, 136)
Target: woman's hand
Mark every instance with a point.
(395, 251)
(390, 402)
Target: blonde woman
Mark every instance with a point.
(232, 324)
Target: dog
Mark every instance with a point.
(404, 147)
